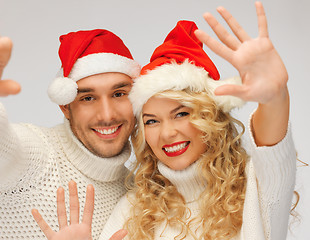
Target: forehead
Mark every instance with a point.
(105, 81)
(159, 105)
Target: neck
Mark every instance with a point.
(186, 181)
(97, 168)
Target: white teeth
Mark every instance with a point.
(107, 132)
(176, 148)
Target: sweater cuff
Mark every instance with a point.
(275, 166)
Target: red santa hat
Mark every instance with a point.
(180, 63)
(86, 53)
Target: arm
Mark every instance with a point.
(274, 171)
(264, 76)
(12, 161)
(9, 142)
(270, 120)
(264, 80)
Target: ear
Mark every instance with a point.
(66, 110)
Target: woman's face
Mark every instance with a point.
(169, 133)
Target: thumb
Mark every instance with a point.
(231, 89)
(9, 87)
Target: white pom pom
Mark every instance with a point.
(62, 90)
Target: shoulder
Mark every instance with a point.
(126, 201)
(118, 217)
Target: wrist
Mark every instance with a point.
(280, 98)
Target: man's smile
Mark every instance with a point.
(108, 132)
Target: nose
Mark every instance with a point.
(106, 110)
(168, 130)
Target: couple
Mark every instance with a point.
(193, 179)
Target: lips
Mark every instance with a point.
(176, 149)
(107, 132)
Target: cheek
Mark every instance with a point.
(84, 116)
(196, 135)
(83, 110)
(202, 147)
(150, 137)
(147, 136)
(125, 109)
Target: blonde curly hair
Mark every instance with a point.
(222, 166)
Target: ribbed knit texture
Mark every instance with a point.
(275, 171)
(186, 181)
(270, 185)
(35, 161)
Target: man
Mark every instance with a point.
(90, 147)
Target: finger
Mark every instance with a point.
(119, 235)
(61, 208)
(233, 24)
(74, 203)
(221, 32)
(5, 52)
(48, 232)
(9, 87)
(262, 20)
(89, 205)
(231, 89)
(218, 48)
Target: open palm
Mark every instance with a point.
(75, 230)
(260, 67)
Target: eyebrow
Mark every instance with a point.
(172, 111)
(114, 87)
(84, 90)
(122, 85)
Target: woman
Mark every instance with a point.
(193, 179)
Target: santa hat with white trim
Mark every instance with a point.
(86, 53)
(177, 64)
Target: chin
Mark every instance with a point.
(112, 152)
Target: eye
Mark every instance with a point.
(118, 94)
(181, 114)
(87, 99)
(150, 121)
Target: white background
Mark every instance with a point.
(35, 25)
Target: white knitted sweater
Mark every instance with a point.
(270, 185)
(35, 161)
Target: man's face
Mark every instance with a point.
(101, 115)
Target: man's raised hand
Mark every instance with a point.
(7, 87)
(76, 230)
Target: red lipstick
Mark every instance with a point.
(175, 153)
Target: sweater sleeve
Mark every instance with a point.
(22, 154)
(11, 152)
(275, 170)
(117, 218)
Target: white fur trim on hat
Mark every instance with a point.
(64, 93)
(175, 76)
(104, 62)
